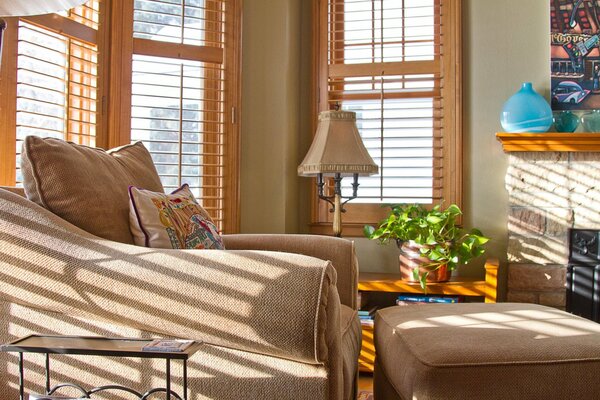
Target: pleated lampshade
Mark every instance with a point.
(337, 148)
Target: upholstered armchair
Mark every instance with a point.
(277, 313)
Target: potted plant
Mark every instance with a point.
(431, 244)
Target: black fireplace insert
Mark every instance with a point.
(583, 274)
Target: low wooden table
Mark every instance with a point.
(97, 346)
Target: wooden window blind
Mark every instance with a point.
(56, 83)
(179, 97)
(86, 14)
(394, 63)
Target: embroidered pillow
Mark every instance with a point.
(173, 220)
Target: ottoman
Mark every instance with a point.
(485, 351)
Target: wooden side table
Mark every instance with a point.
(457, 286)
(98, 346)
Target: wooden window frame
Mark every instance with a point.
(8, 80)
(124, 45)
(449, 64)
(116, 46)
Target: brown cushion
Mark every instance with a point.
(487, 351)
(87, 186)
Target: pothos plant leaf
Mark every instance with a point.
(442, 241)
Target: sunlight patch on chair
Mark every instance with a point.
(51, 242)
(56, 297)
(171, 291)
(180, 319)
(265, 363)
(172, 266)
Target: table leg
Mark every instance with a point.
(168, 396)
(184, 379)
(21, 378)
(47, 373)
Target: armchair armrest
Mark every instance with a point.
(265, 302)
(339, 251)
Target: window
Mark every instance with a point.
(56, 80)
(178, 102)
(165, 72)
(394, 63)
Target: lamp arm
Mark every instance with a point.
(321, 190)
(355, 186)
(337, 190)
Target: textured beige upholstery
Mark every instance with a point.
(87, 186)
(272, 321)
(17, 190)
(485, 351)
(339, 251)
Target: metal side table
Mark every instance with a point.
(97, 346)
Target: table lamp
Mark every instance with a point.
(337, 150)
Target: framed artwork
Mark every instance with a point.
(574, 54)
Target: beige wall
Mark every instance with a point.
(505, 43)
(270, 115)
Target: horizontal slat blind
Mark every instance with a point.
(83, 93)
(56, 86)
(178, 108)
(86, 14)
(193, 22)
(383, 58)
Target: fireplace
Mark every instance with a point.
(550, 193)
(583, 274)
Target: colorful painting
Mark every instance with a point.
(575, 58)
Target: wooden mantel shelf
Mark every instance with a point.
(549, 141)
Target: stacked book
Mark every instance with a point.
(367, 315)
(403, 300)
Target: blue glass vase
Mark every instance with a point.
(565, 121)
(526, 111)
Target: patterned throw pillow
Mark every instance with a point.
(173, 220)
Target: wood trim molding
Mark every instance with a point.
(452, 164)
(104, 47)
(8, 105)
(384, 68)
(64, 26)
(179, 51)
(119, 100)
(569, 142)
(233, 68)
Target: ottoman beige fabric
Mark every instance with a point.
(485, 351)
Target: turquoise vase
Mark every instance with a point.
(591, 121)
(526, 111)
(565, 121)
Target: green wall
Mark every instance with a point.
(504, 43)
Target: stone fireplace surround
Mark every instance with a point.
(549, 192)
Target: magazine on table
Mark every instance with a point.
(168, 345)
